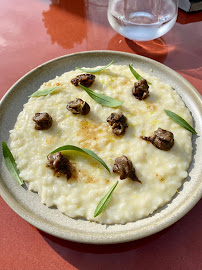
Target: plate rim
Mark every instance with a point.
(25, 213)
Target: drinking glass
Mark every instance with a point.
(142, 20)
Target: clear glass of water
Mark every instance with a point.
(142, 20)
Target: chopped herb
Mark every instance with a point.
(91, 70)
(102, 99)
(44, 92)
(10, 163)
(104, 201)
(180, 121)
(135, 74)
(81, 150)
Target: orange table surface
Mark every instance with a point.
(35, 31)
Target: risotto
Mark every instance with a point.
(161, 172)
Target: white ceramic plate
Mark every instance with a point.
(27, 204)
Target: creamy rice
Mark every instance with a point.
(161, 172)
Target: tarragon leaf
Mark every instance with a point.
(180, 121)
(94, 70)
(104, 201)
(10, 163)
(102, 99)
(136, 75)
(44, 92)
(81, 150)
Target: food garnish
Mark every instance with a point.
(10, 163)
(124, 167)
(140, 89)
(161, 139)
(44, 92)
(81, 150)
(42, 121)
(118, 121)
(104, 201)
(135, 74)
(59, 164)
(94, 70)
(102, 99)
(180, 121)
(78, 106)
(84, 79)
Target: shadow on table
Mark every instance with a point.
(185, 18)
(183, 41)
(155, 49)
(57, 243)
(179, 48)
(172, 247)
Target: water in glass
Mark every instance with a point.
(142, 20)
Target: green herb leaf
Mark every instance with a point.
(102, 99)
(136, 75)
(10, 163)
(81, 150)
(104, 201)
(91, 70)
(180, 121)
(44, 92)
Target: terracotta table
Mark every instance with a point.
(35, 31)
